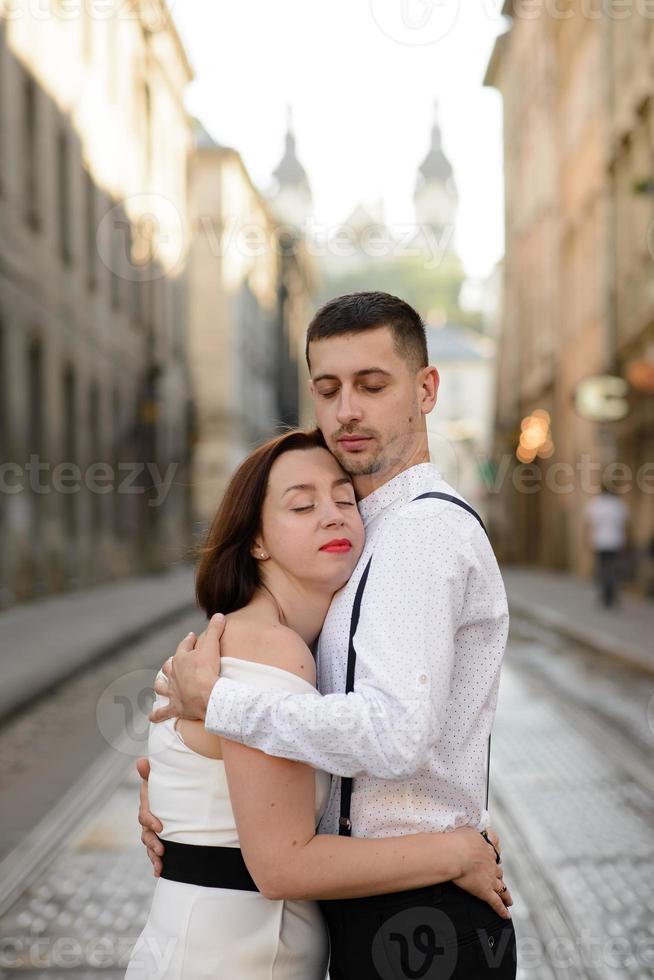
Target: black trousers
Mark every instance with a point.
(435, 933)
(607, 573)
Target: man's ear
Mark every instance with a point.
(429, 388)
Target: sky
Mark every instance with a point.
(361, 77)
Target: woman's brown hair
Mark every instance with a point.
(227, 575)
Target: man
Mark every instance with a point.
(431, 634)
(607, 519)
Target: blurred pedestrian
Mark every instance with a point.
(607, 518)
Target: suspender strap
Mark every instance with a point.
(453, 500)
(344, 823)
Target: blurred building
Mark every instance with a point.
(416, 259)
(436, 198)
(460, 427)
(94, 143)
(291, 202)
(251, 284)
(290, 194)
(577, 291)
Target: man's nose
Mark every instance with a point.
(347, 409)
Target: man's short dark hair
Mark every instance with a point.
(366, 311)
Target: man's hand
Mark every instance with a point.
(151, 826)
(191, 674)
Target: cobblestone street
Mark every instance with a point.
(572, 798)
(271, 275)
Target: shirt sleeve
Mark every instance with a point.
(405, 644)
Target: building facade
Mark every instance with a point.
(94, 389)
(249, 303)
(577, 298)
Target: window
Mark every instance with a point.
(63, 197)
(96, 452)
(69, 448)
(147, 128)
(91, 230)
(30, 188)
(116, 270)
(117, 453)
(2, 101)
(4, 381)
(35, 398)
(35, 402)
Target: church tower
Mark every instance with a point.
(435, 198)
(291, 195)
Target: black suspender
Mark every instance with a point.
(344, 823)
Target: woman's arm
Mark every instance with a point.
(274, 805)
(273, 802)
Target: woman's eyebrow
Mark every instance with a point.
(311, 486)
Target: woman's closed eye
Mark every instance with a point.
(341, 503)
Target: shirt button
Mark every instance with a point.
(491, 941)
(423, 678)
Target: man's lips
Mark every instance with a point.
(338, 545)
(353, 442)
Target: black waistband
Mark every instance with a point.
(201, 864)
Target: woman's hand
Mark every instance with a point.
(151, 825)
(481, 875)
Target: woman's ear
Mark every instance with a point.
(258, 551)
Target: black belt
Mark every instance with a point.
(202, 864)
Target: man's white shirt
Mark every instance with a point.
(430, 641)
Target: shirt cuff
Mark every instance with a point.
(225, 710)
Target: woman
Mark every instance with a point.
(243, 865)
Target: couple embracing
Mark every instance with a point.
(315, 796)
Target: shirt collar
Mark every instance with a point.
(403, 487)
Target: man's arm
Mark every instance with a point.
(405, 646)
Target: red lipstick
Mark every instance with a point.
(338, 546)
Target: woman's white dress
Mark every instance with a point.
(193, 932)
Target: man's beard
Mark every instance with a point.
(392, 453)
(361, 467)
(358, 464)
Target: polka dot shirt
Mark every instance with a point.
(431, 636)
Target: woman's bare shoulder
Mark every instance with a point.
(271, 644)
